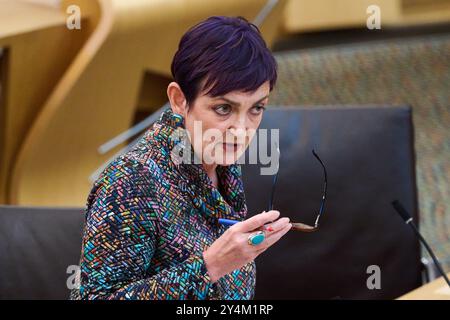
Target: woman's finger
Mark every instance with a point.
(276, 226)
(274, 237)
(257, 221)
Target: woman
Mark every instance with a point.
(152, 228)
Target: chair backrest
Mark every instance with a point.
(37, 246)
(369, 156)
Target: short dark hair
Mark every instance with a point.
(222, 54)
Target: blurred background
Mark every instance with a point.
(76, 74)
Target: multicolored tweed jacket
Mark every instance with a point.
(148, 221)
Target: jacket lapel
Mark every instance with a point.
(193, 178)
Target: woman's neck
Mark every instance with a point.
(212, 174)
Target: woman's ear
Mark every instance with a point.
(177, 99)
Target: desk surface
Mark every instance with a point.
(435, 290)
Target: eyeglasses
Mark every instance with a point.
(298, 226)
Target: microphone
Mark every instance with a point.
(409, 221)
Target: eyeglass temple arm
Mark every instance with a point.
(324, 194)
(275, 178)
(274, 182)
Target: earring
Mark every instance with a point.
(179, 137)
(177, 120)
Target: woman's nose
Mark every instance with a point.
(237, 131)
(239, 124)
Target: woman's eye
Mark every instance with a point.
(258, 109)
(223, 109)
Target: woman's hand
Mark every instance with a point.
(231, 251)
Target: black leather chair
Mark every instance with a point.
(37, 245)
(369, 156)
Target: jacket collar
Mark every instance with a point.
(194, 179)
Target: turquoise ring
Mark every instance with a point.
(256, 238)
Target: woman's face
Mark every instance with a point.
(221, 128)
